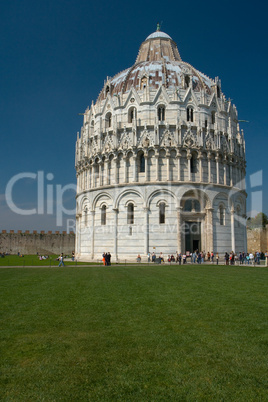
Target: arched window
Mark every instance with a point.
(222, 215)
(162, 214)
(107, 90)
(131, 114)
(187, 81)
(85, 216)
(193, 164)
(130, 214)
(192, 205)
(190, 114)
(161, 113)
(143, 82)
(103, 215)
(213, 117)
(142, 163)
(218, 91)
(108, 120)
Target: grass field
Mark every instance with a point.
(33, 260)
(143, 333)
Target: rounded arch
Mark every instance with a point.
(161, 192)
(132, 113)
(221, 198)
(196, 194)
(104, 203)
(98, 197)
(162, 200)
(84, 202)
(130, 202)
(124, 193)
(161, 112)
(108, 120)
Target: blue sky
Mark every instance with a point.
(55, 56)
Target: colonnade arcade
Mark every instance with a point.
(161, 164)
(130, 216)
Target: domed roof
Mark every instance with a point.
(160, 63)
(158, 34)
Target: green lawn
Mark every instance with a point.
(142, 333)
(33, 260)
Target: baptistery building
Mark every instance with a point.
(160, 162)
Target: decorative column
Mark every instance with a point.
(234, 174)
(134, 168)
(115, 233)
(179, 229)
(93, 176)
(209, 167)
(179, 165)
(107, 171)
(115, 171)
(189, 156)
(231, 174)
(233, 228)
(200, 157)
(218, 168)
(146, 166)
(89, 176)
(156, 155)
(224, 172)
(92, 233)
(168, 166)
(125, 168)
(210, 231)
(101, 173)
(146, 230)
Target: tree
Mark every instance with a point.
(259, 221)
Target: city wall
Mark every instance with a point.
(56, 243)
(257, 239)
(45, 243)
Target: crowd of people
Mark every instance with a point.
(201, 257)
(106, 258)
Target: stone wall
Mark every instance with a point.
(32, 243)
(257, 239)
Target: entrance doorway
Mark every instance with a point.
(192, 236)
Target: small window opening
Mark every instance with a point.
(213, 117)
(130, 214)
(142, 163)
(161, 113)
(206, 123)
(131, 115)
(187, 81)
(86, 216)
(162, 214)
(222, 216)
(103, 215)
(143, 82)
(109, 120)
(218, 92)
(190, 114)
(193, 164)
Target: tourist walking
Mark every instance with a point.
(61, 260)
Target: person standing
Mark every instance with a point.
(266, 258)
(61, 260)
(217, 258)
